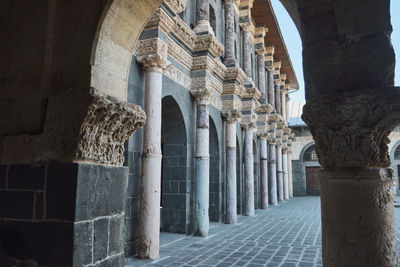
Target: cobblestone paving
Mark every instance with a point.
(282, 236)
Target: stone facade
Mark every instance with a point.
(198, 75)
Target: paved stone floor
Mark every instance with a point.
(284, 235)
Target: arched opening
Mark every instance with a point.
(309, 158)
(215, 200)
(239, 180)
(174, 168)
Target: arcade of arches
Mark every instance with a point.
(121, 118)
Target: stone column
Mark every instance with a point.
(278, 97)
(357, 209)
(285, 173)
(247, 49)
(231, 204)
(249, 169)
(289, 155)
(283, 105)
(264, 170)
(272, 185)
(149, 223)
(202, 163)
(279, 172)
(230, 34)
(203, 17)
(261, 72)
(271, 89)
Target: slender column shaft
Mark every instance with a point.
(231, 214)
(272, 185)
(285, 174)
(290, 174)
(264, 173)
(230, 34)
(287, 107)
(271, 88)
(278, 98)
(202, 171)
(358, 204)
(283, 101)
(249, 172)
(279, 172)
(247, 54)
(261, 74)
(149, 224)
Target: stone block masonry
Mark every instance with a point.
(63, 214)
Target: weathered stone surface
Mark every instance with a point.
(83, 243)
(352, 129)
(100, 239)
(358, 223)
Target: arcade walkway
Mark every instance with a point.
(286, 235)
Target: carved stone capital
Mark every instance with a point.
(351, 129)
(248, 126)
(202, 96)
(152, 54)
(236, 74)
(231, 115)
(262, 134)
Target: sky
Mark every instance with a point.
(293, 42)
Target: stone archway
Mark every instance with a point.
(215, 195)
(174, 181)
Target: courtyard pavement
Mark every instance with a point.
(281, 236)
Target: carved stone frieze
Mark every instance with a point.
(235, 73)
(203, 63)
(160, 19)
(179, 54)
(251, 93)
(351, 129)
(217, 85)
(179, 77)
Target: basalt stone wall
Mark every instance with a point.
(63, 214)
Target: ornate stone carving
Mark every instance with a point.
(160, 19)
(152, 53)
(231, 115)
(177, 6)
(209, 42)
(236, 74)
(351, 129)
(202, 95)
(107, 125)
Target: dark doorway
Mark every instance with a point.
(312, 181)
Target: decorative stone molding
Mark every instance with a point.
(179, 54)
(248, 126)
(265, 108)
(152, 54)
(269, 57)
(253, 93)
(236, 74)
(262, 134)
(160, 19)
(203, 63)
(277, 70)
(178, 6)
(351, 129)
(209, 42)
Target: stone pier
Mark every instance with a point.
(247, 49)
(203, 18)
(230, 35)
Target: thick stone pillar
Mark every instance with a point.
(231, 201)
(358, 223)
(284, 110)
(149, 223)
(279, 172)
(264, 170)
(285, 174)
(203, 17)
(249, 169)
(230, 34)
(202, 164)
(272, 185)
(261, 73)
(247, 49)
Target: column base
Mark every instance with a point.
(358, 223)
